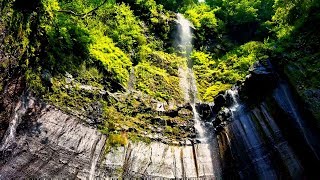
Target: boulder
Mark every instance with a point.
(219, 101)
(223, 116)
(205, 111)
(261, 81)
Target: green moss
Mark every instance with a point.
(213, 90)
(117, 140)
(215, 75)
(133, 137)
(35, 81)
(173, 131)
(169, 62)
(157, 82)
(114, 141)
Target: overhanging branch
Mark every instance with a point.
(83, 15)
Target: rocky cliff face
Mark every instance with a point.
(251, 134)
(263, 132)
(47, 143)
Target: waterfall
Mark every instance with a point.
(235, 102)
(97, 150)
(257, 144)
(187, 79)
(285, 99)
(247, 130)
(18, 112)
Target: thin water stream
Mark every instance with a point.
(188, 82)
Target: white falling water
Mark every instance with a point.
(187, 79)
(250, 135)
(93, 167)
(19, 111)
(197, 124)
(285, 99)
(233, 93)
(185, 35)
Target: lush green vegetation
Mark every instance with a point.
(80, 54)
(297, 48)
(219, 74)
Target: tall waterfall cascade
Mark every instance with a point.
(188, 82)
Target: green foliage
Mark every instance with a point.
(202, 16)
(282, 28)
(73, 40)
(157, 82)
(50, 6)
(124, 28)
(290, 15)
(214, 90)
(215, 75)
(155, 21)
(106, 45)
(113, 59)
(244, 19)
(117, 140)
(207, 27)
(67, 44)
(175, 5)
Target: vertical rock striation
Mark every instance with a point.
(52, 144)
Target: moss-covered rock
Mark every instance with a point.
(219, 74)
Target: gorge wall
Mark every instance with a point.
(268, 139)
(51, 144)
(90, 90)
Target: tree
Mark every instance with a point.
(244, 18)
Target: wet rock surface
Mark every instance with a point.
(206, 111)
(260, 82)
(268, 136)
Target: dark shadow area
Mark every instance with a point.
(27, 6)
